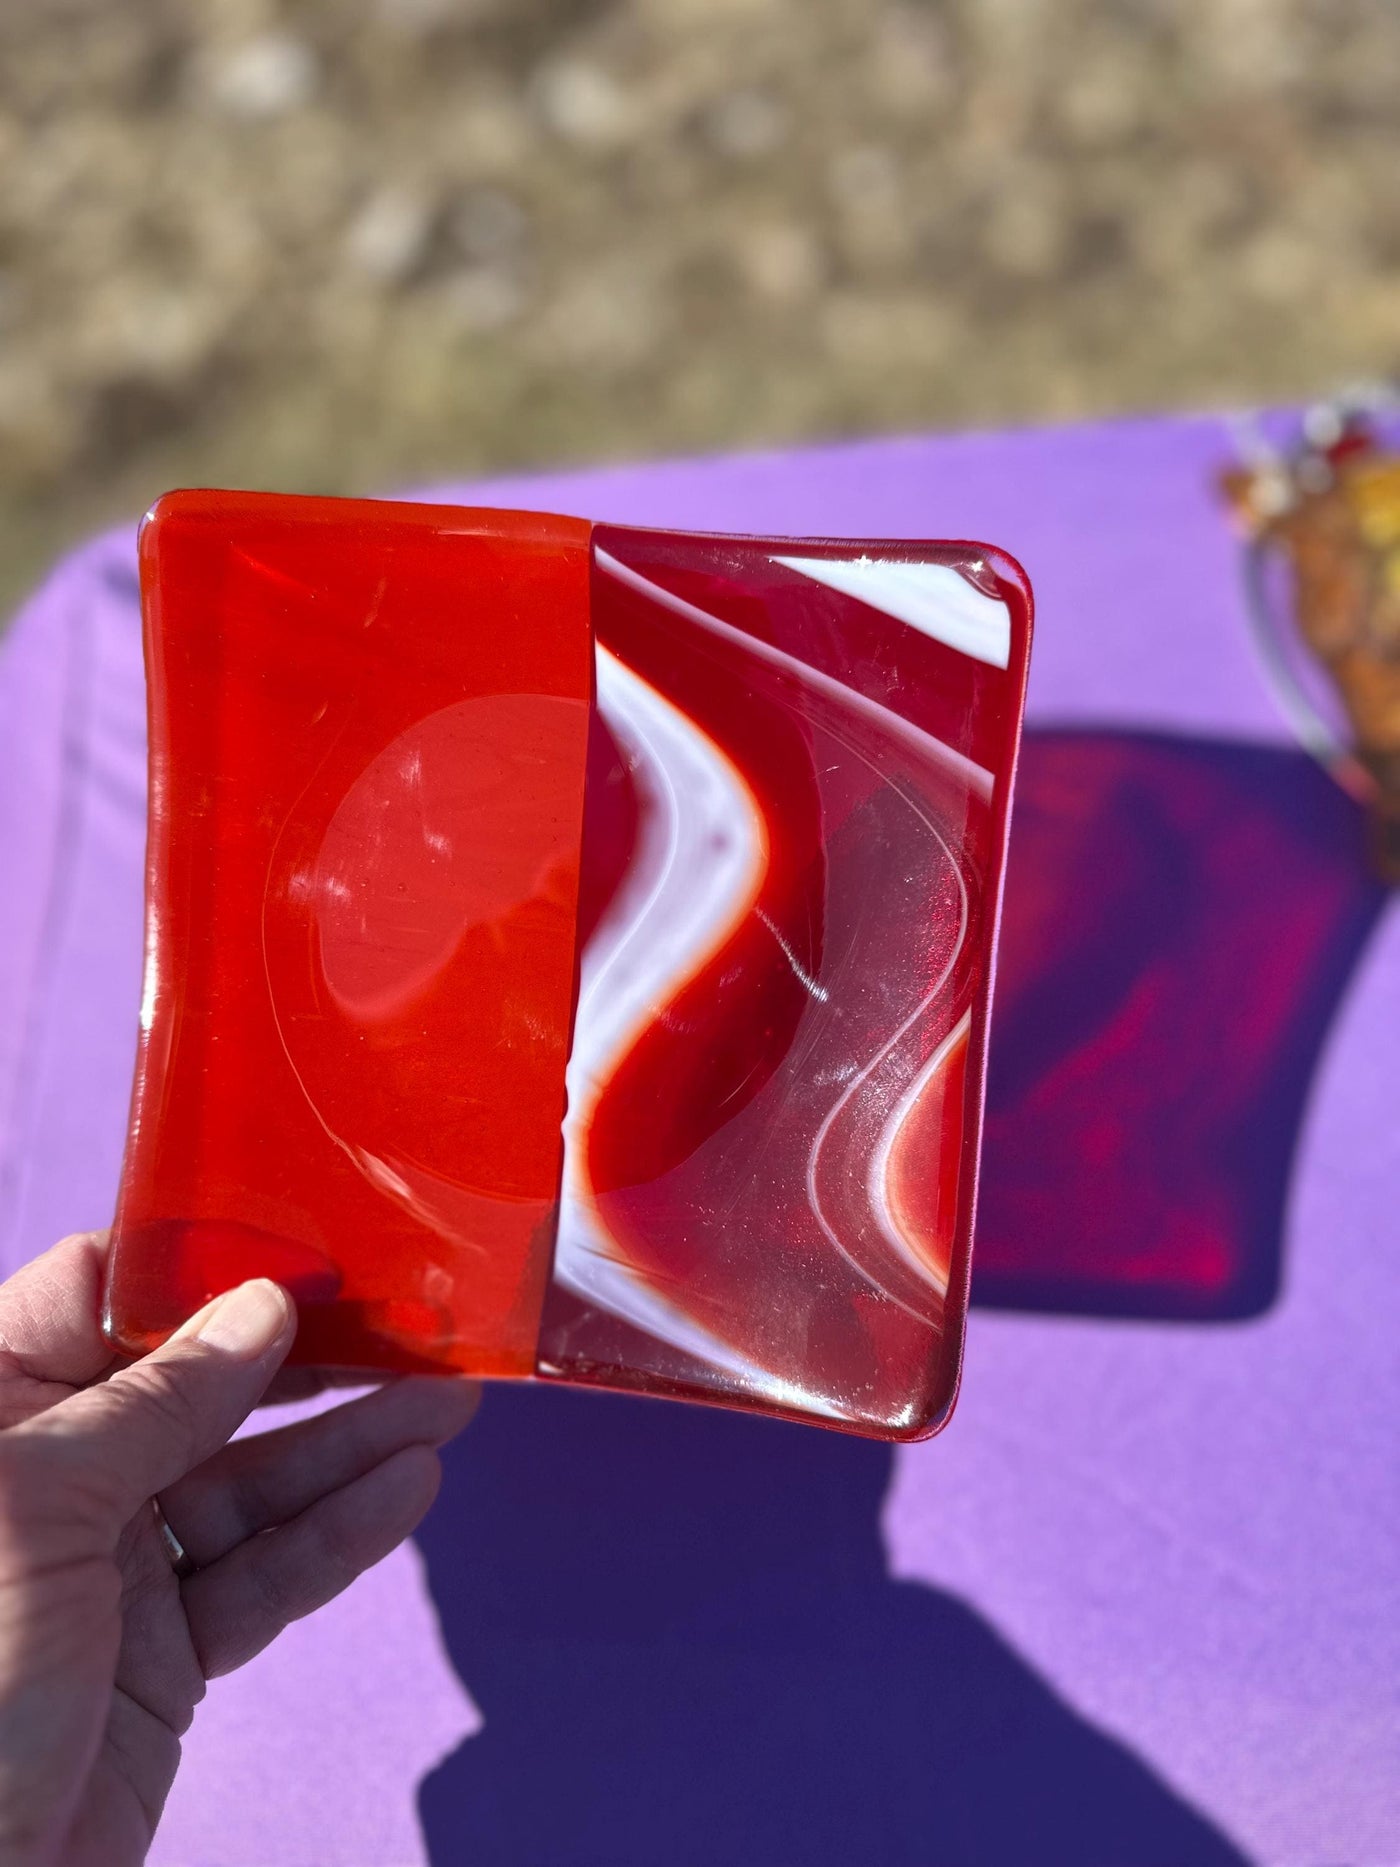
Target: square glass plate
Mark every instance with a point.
(569, 947)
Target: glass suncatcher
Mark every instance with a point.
(569, 947)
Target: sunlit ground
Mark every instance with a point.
(345, 243)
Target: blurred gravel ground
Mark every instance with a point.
(336, 244)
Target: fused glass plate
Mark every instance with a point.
(569, 947)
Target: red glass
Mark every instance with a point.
(368, 727)
(453, 810)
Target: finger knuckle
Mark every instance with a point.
(327, 1551)
(253, 1506)
(276, 1593)
(158, 1392)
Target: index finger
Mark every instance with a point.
(51, 1314)
(305, 1383)
(115, 1444)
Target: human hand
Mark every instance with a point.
(104, 1648)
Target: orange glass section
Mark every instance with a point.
(369, 726)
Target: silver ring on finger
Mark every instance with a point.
(179, 1557)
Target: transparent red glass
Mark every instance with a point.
(569, 947)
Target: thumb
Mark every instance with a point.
(123, 1441)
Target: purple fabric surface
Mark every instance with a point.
(1188, 1530)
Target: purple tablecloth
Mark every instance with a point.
(1140, 1601)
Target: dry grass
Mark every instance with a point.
(341, 243)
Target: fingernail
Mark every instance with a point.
(246, 1321)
